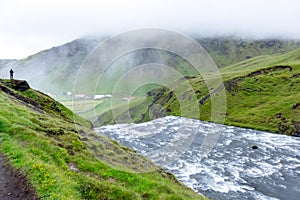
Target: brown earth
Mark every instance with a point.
(13, 184)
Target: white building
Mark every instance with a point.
(101, 96)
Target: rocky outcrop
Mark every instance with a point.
(20, 85)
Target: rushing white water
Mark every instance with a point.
(231, 170)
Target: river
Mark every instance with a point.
(241, 163)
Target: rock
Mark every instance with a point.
(20, 85)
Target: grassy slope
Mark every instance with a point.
(64, 159)
(228, 50)
(266, 100)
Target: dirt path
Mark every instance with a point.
(13, 185)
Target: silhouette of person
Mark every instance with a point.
(11, 74)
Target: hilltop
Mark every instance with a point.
(63, 158)
(261, 93)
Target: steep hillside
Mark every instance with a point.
(261, 93)
(229, 50)
(55, 69)
(64, 159)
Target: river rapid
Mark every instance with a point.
(238, 164)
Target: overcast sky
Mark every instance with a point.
(27, 27)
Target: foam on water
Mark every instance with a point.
(231, 170)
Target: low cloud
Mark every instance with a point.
(30, 26)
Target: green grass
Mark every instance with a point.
(259, 95)
(64, 159)
(82, 106)
(260, 100)
(229, 50)
(91, 109)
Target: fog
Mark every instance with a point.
(31, 26)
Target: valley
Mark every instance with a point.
(58, 149)
(261, 93)
(149, 100)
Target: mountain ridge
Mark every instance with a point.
(58, 66)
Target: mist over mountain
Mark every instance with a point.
(54, 70)
(48, 69)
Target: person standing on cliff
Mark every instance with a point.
(11, 74)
